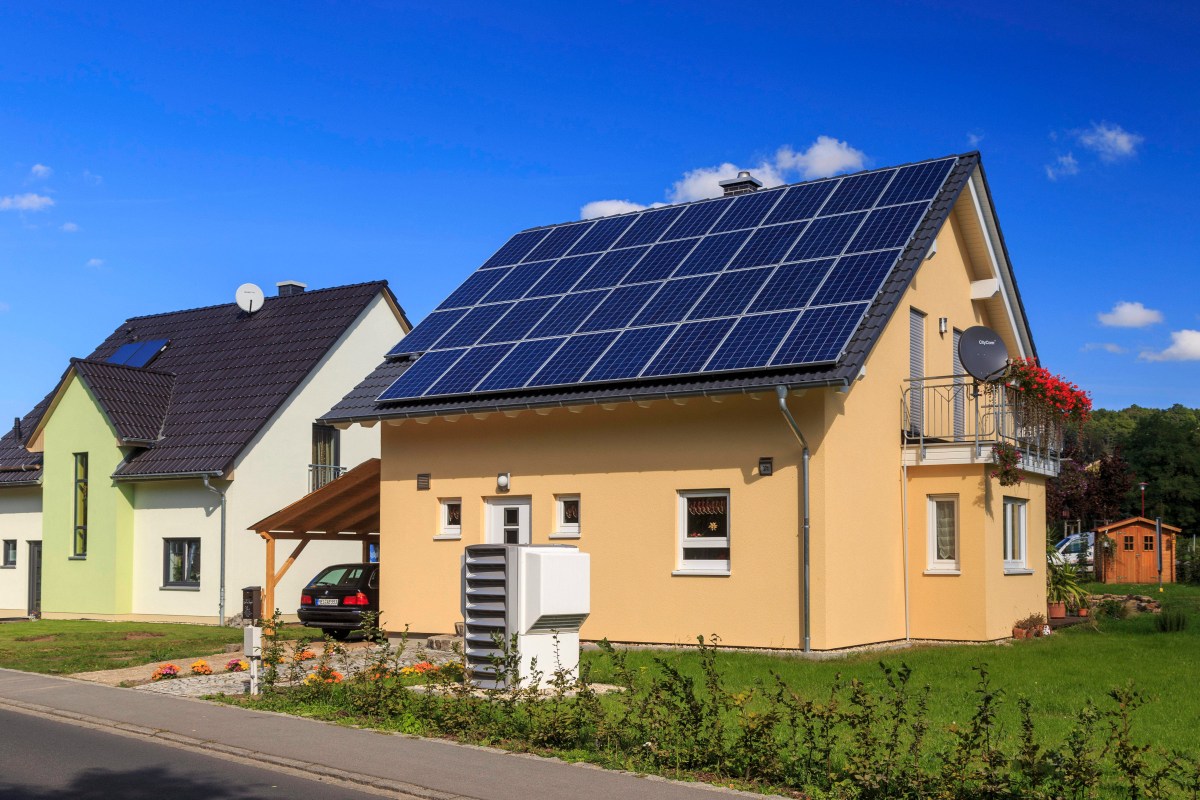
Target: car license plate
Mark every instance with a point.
(327, 601)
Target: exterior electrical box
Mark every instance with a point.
(539, 594)
(251, 605)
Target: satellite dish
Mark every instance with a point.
(249, 298)
(982, 353)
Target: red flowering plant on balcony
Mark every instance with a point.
(1039, 387)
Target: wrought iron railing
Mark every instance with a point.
(956, 409)
(321, 474)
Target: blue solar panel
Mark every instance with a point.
(691, 345)
(731, 293)
(649, 226)
(519, 365)
(661, 261)
(138, 354)
(565, 317)
(467, 371)
(857, 192)
(619, 308)
(422, 374)
(473, 326)
(917, 182)
(826, 236)
(629, 354)
(696, 220)
(776, 278)
(888, 227)
(423, 336)
(562, 276)
(712, 254)
(856, 278)
(611, 268)
(558, 242)
(474, 288)
(573, 359)
(519, 320)
(747, 211)
(767, 245)
(673, 301)
(602, 235)
(515, 249)
(791, 286)
(801, 202)
(820, 335)
(517, 283)
(123, 353)
(752, 341)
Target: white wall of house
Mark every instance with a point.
(21, 521)
(271, 473)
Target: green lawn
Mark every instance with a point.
(1058, 674)
(67, 646)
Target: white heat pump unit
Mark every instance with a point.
(538, 594)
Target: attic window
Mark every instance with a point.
(138, 354)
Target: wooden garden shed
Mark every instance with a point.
(1127, 552)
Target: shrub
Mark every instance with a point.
(1111, 608)
(1171, 620)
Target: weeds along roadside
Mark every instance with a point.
(853, 741)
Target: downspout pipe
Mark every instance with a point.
(782, 392)
(221, 494)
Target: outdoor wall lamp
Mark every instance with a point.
(502, 482)
(943, 324)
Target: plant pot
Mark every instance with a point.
(1056, 610)
(1020, 633)
(1083, 611)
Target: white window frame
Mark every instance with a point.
(562, 528)
(1016, 566)
(933, 564)
(445, 530)
(717, 567)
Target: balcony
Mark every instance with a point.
(321, 474)
(955, 420)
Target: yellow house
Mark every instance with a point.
(690, 394)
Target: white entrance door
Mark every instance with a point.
(508, 520)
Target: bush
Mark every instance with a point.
(1171, 620)
(1111, 608)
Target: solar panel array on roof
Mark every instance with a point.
(138, 354)
(776, 278)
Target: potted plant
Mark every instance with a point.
(1029, 627)
(1062, 587)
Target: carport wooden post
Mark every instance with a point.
(268, 598)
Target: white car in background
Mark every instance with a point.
(1078, 548)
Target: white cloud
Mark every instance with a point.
(25, 202)
(95, 262)
(92, 178)
(826, 156)
(1185, 346)
(1062, 166)
(1110, 142)
(40, 171)
(607, 208)
(69, 227)
(1129, 315)
(1107, 347)
(974, 139)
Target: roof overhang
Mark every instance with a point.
(346, 505)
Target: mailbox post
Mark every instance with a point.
(252, 647)
(251, 604)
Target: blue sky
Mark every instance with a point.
(154, 157)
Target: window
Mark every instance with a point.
(79, 548)
(1014, 534)
(943, 534)
(704, 532)
(181, 562)
(326, 456)
(1129, 542)
(1148, 542)
(566, 516)
(10, 553)
(450, 511)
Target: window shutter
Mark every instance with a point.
(960, 392)
(916, 370)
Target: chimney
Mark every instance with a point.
(289, 288)
(744, 183)
(17, 429)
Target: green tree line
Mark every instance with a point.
(1113, 452)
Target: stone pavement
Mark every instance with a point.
(391, 764)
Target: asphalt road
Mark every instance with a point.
(43, 759)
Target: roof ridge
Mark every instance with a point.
(381, 283)
(767, 189)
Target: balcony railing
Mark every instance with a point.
(321, 474)
(953, 410)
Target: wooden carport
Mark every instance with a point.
(346, 509)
